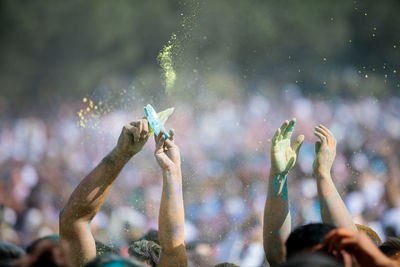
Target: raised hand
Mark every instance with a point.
(89, 196)
(283, 156)
(167, 153)
(277, 219)
(325, 150)
(171, 219)
(132, 138)
(340, 241)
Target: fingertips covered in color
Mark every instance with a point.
(289, 129)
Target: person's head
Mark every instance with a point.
(306, 238)
(112, 260)
(391, 248)
(311, 259)
(151, 235)
(46, 253)
(146, 251)
(226, 264)
(102, 248)
(10, 253)
(371, 233)
(35, 243)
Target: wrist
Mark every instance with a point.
(171, 171)
(277, 174)
(322, 174)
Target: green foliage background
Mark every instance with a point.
(54, 52)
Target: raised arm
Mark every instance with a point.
(89, 195)
(333, 210)
(171, 218)
(277, 220)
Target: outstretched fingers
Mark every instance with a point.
(276, 136)
(289, 129)
(330, 138)
(320, 136)
(283, 128)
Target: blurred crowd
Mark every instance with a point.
(225, 162)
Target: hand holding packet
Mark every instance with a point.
(157, 120)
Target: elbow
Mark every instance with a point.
(274, 256)
(68, 223)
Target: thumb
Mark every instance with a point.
(297, 144)
(317, 147)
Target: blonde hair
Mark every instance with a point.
(371, 233)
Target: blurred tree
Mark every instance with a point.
(53, 51)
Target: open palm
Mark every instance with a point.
(283, 156)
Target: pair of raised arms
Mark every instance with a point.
(89, 196)
(277, 220)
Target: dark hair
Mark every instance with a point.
(151, 235)
(9, 253)
(305, 237)
(146, 250)
(371, 233)
(46, 253)
(102, 248)
(35, 243)
(109, 259)
(391, 246)
(314, 259)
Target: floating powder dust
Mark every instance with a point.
(166, 63)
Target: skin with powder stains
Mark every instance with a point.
(333, 209)
(88, 197)
(277, 219)
(171, 219)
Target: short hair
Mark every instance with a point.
(35, 243)
(146, 250)
(391, 247)
(371, 233)
(306, 236)
(10, 253)
(46, 253)
(109, 259)
(102, 248)
(151, 235)
(314, 259)
(226, 264)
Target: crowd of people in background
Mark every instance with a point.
(225, 157)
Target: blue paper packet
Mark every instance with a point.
(154, 121)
